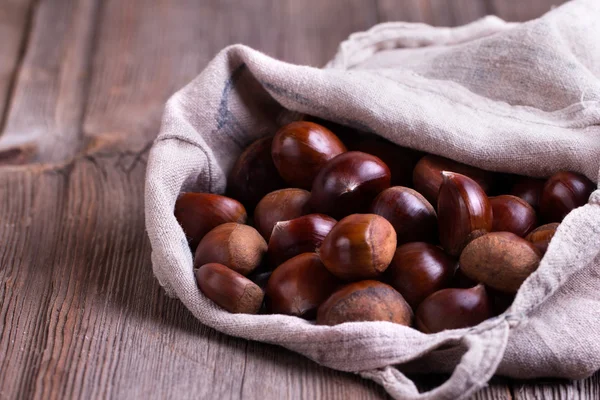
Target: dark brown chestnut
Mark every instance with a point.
(529, 189)
(254, 175)
(563, 192)
(453, 309)
(296, 236)
(280, 205)
(348, 135)
(400, 160)
(360, 246)
(418, 270)
(228, 289)
(427, 177)
(512, 214)
(239, 247)
(198, 213)
(500, 260)
(365, 301)
(299, 286)
(541, 236)
(348, 183)
(411, 215)
(464, 212)
(300, 150)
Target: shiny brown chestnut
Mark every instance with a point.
(228, 289)
(500, 260)
(427, 177)
(529, 189)
(296, 236)
(254, 174)
(400, 160)
(348, 135)
(360, 246)
(239, 247)
(198, 213)
(562, 193)
(300, 150)
(411, 215)
(299, 286)
(348, 183)
(542, 235)
(365, 301)
(418, 270)
(512, 214)
(280, 205)
(464, 212)
(453, 309)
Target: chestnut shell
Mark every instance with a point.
(348, 183)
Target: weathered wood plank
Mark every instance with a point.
(517, 10)
(558, 389)
(14, 29)
(432, 12)
(149, 49)
(83, 317)
(43, 122)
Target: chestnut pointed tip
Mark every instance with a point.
(446, 175)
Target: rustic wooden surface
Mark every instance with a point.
(82, 86)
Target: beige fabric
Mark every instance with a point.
(521, 98)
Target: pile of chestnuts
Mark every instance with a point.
(351, 227)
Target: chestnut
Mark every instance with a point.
(411, 215)
(563, 192)
(512, 214)
(348, 183)
(228, 289)
(500, 260)
(365, 301)
(198, 213)
(360, 246)
(301, 148)
(464, 212)
(239, 247)
(351, 137)
(453, 309)
(254, 174)
(296, 236)
(418, 270)
(542, 235)
(280, 205)
(427, 177)
(400, 160)
(529, 189)
(299, 286)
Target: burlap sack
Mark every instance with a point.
(522, 98)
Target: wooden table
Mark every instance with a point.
(82, 88)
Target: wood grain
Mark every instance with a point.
(144, 54)
(432, 12)
(43, 123)
(81, 315)
(517, 10)
(14, 29)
